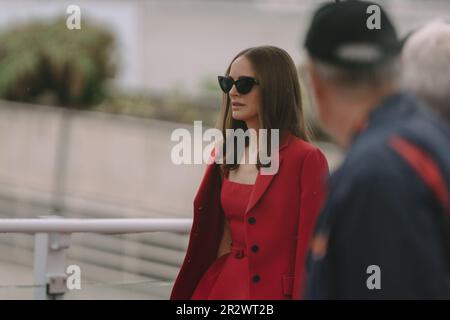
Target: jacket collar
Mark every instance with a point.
(393, 108)
(263, 181)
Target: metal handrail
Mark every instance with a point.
(52, 238)
(106, 226)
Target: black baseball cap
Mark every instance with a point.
(344, 34)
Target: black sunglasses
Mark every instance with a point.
(243, 85)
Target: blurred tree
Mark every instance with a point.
(47, 63)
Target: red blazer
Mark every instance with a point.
(280, 218)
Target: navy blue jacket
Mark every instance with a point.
(383, 210)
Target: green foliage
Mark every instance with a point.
(47, 63)
(176, 106)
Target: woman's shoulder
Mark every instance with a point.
(298, 147)
(303, 154)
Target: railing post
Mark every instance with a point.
(40, 265)
(49, 265)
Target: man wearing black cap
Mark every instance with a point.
(384, 229)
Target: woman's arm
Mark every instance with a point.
(313, 189)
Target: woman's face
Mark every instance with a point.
(245, 107)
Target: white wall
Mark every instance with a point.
(115, 165)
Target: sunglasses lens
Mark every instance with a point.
(245, 85)
(225, 84)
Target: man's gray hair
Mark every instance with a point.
(387, 73)
(426, 60)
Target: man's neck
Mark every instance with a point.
(357, 111)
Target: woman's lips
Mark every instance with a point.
(237, 105)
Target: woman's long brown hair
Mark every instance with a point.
(281, 103)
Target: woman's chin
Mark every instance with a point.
(237, 115)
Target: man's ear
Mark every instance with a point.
(314, 81)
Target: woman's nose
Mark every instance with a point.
(233, 91)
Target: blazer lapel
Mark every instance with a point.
(263, 181)
(261, 185)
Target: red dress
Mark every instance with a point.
(228, 277)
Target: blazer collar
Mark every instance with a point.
(263, 181)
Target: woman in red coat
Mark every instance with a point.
(251, 231)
